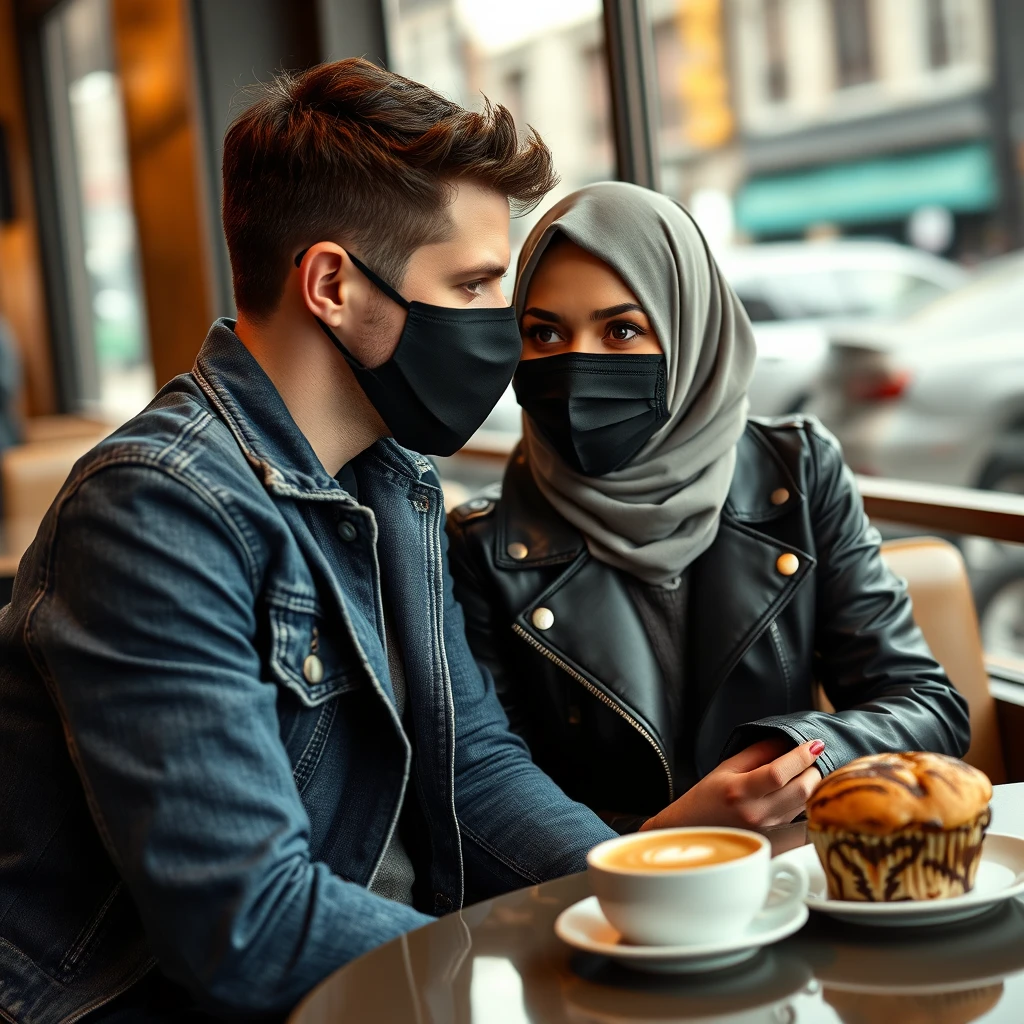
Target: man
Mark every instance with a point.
(242, 739)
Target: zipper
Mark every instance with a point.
(603, 698)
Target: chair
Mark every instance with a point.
(944, 610)
(30, 477)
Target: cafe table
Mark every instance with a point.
(500, 962)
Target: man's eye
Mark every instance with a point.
(474, 287)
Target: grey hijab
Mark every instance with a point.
(657, 514)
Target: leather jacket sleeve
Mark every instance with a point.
(870, 657)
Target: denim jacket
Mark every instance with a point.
(201, 762)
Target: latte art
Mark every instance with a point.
(676, 852)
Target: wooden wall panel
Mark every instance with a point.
(22, 296)
(153, 44)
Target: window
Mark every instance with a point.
(113, 376)
(694, 114)
(668, 56)
(851, 26)
(937, 33)
(543, 60)
(599, 112)
(776, 78)
(513, 89)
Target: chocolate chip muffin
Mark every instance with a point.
(900, 827)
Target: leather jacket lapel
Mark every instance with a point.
(726, 620)
(586, 620)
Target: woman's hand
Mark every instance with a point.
(760, 786)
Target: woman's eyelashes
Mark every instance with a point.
(543, 334)
(616, 334)
(621, 332)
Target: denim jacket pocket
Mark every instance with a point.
(307, 655)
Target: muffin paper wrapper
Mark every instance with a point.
(913, 863)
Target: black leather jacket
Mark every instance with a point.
(586, 692)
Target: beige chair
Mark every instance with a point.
(32, 475)
(944, 610)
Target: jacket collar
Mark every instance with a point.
(250, 405)
(762, 489)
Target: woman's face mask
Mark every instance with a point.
(592, 377)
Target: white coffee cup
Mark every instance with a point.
(667, 905)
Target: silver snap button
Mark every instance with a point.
(313, 669)
(543, 618)
(517, 551)
(478, 504)
(780, 496)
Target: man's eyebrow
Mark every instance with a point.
(543, 314)
(485, 270)
(624, 307)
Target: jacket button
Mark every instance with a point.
(347, 531)
(313, 669)
(543, 618)
(787, 564)
(517, 551)
(780, 496)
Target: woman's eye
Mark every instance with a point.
(624, 332)
(544, 335)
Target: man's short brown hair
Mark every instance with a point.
(351, 153)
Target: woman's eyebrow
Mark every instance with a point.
(543, 314)
(624, 307)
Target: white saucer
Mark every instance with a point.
(1000, 877)
(585, 927)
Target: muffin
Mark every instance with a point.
(900, 827)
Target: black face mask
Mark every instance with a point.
(596, 411)
(449, 370)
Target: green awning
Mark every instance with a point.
(962, 179)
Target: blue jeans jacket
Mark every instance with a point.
(178, 784)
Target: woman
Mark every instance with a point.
(663, 584)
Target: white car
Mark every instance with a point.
(939, 398)
(795, 292)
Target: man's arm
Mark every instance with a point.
(144, 634)
(518, 827)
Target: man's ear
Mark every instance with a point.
(323, 272)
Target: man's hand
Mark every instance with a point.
(760, 786)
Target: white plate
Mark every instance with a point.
(1000, 877)
(585, 927)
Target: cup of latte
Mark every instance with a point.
(690, 886)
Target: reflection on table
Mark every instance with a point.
(500, 963)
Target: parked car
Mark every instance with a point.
(939, 397)
(794, 292)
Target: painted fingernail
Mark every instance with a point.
(817, 747)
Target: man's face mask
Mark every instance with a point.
(596, 411)
(449, 370)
